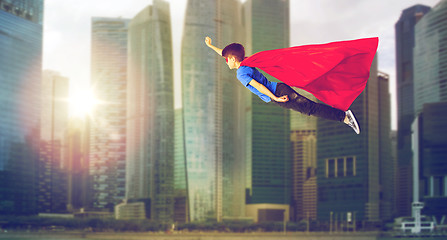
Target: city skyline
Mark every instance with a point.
(353, 174)
(67, 24)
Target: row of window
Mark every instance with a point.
(340, 167)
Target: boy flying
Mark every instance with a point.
(283, 95)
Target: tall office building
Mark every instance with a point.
(430, 142)
(430, 58)
(386, 159)
(212, 111)
(150, 114)
(304, 173)
(349, 172)
(108, 126)
(76, 158)
(52, 195)
(304, 163)
(54, 109)
(405, 42)
(20, 79)
(430, 90)
(268, 126)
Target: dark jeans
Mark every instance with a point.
(303, 105)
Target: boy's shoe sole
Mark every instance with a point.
(352, 121)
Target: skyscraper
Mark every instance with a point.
(430, 90)
(268, 126)
(76, 158)
(405, 41)
(303, 137)
(108, 126)
(54, 110)
(150, 115)
(20, 79)
(349, 173)
(386, 158)
(430, 58)
(52, 196)
(212, 111)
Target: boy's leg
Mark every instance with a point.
(303, 105)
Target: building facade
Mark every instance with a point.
(108, 125)
(181, 206)
(20, 78)
(150, 115)
(431, 145)
(212, 112)
(268, 164)
(52, 178)
(405, 42)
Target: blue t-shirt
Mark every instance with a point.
(246, 74)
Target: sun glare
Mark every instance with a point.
(82, 103)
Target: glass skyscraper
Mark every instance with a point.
(150, 111)
(20, 79)
(430, 93)
(108, 125)
(268, 126)
(405, 42)
(212, 110)
(430, 58)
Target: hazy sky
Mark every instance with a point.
(67, 26)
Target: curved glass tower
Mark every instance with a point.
(268, 136)
(150, 115)
(212, 111)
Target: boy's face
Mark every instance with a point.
(231, 62)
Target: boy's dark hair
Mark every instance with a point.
(236, 50)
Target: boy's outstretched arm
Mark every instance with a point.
(261, 88)
(208, 43)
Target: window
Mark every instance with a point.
(340, 167)
(438, 186)
(330, 168)
(350, 166)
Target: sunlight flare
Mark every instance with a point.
(83, 103)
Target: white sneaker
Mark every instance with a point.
(352, 121)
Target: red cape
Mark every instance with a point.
(336, 73)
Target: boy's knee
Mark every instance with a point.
(293, 96)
